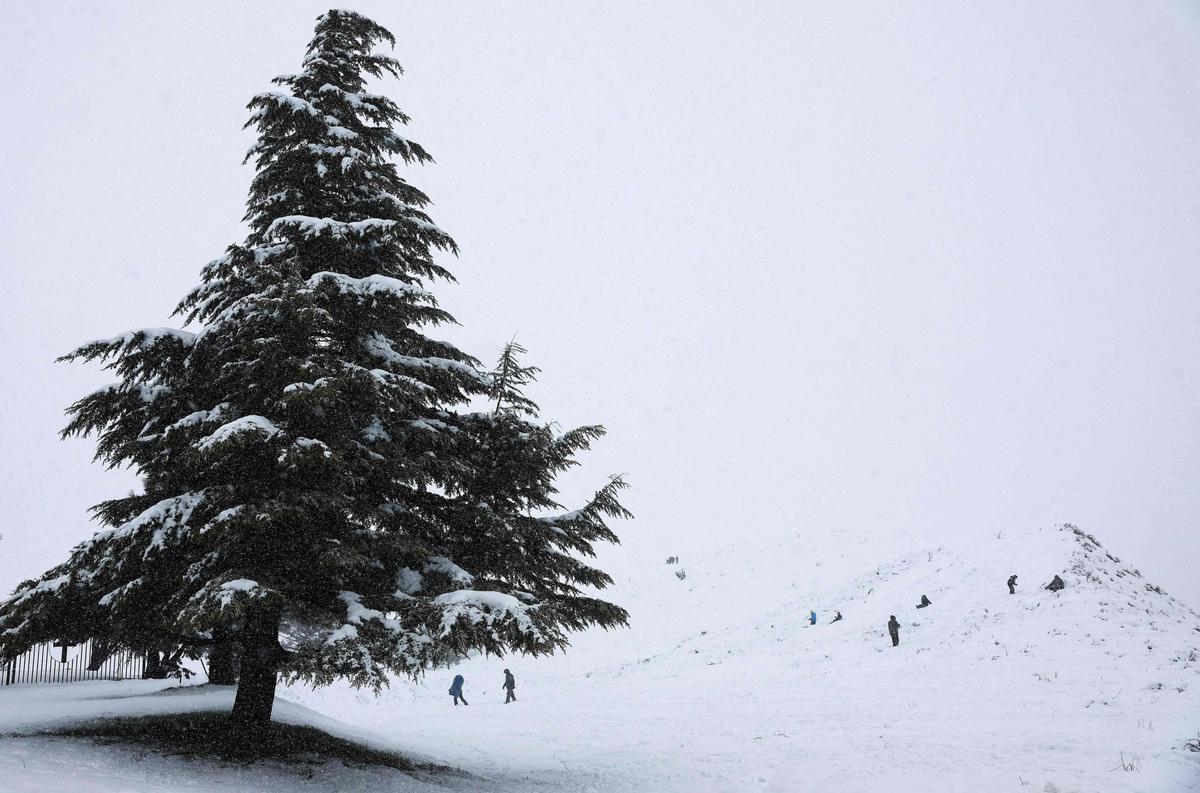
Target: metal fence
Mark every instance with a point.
(55, 663)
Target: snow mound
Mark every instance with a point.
(1107, 615)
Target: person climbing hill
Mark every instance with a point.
(894, 630)
(812, 618)
(456, 690)
(1012, 584)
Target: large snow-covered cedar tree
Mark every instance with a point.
(315, 490)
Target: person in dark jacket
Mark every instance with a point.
(1012, 585)
(837, 618)
(1056, 584)
(894, 630)
(456, 690)
(924, 602)
(510, 683)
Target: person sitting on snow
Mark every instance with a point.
(924, 602)
(836, 619)
(1056, 584)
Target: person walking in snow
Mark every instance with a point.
(894, 630)
(1012, 585)
(510, 683)
(812, 618)
(456, 690)
(924, 602)
(836, 619)
(1056, 584)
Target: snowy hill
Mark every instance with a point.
(1108, 611)
(720, 684)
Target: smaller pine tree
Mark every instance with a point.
(509, 378)
(516, 460)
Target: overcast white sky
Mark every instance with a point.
(815, 265)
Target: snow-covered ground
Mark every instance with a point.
(720, 684)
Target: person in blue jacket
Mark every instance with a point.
(456, 690)
(812, 618)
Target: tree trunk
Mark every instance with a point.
(161, 664)
(223, 659)
(155, 668)
(175, 662)
(260, 659)
(100, 654)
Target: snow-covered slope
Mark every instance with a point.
(720, 683)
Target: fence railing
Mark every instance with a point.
(55, 663)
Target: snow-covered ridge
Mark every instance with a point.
(246, 424)
(145, 337)
(1108, 607)
(310, 227)
(370, 285)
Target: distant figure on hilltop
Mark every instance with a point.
(812, 618)
(924, 602)
(456, 690)
(838, 618)
(1056, 584)
(894, 630)
(1012, 584)
(510, 683)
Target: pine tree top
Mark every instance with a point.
(508, 379)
